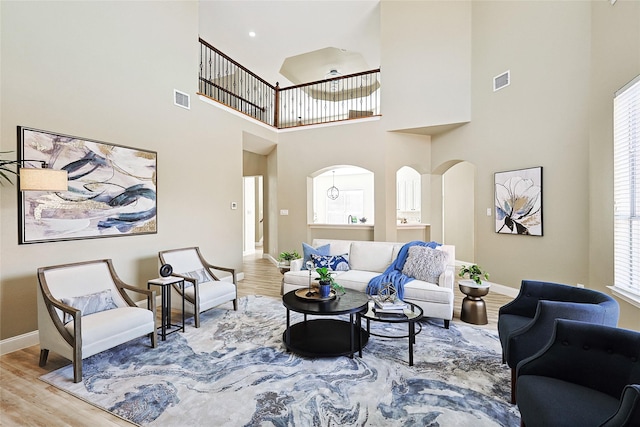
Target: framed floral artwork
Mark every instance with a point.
(111, 189)
(518, 201)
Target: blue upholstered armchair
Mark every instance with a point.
(587, 375)
(526, 323)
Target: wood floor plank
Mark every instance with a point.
(27, 401)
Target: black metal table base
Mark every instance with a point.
(325, 338)
(166, 326)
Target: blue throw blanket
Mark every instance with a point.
(393, 273)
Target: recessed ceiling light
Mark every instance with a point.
(252, 34)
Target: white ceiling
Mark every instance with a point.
(289, 28)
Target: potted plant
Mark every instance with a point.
(326, 282)
(475, 273)
(286, 257)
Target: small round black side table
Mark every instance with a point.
(474, 309)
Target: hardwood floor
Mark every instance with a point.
(27, 401)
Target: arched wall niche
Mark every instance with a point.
(352, 194)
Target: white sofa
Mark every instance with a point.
(368, 260)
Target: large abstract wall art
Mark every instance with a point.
(518, 201)
(112, 189)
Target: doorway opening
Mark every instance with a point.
(253, 217)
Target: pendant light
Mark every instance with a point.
(333, 191)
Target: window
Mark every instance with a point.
(626, 191)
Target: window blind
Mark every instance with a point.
(626, 183)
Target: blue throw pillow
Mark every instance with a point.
(307, 250)
(332, 262)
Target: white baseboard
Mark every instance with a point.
(270, 258)
(19, 342)
(504, 290)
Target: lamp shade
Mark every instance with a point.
(36, 179)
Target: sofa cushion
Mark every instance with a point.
(419, 290)
(371, 256)
(89, 304)
(332, 262)
(355, 279)
(337, 246)
(424, 263)
(307, 250)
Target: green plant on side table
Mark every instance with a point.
(327, 281)
(286, 257)
(475, 273)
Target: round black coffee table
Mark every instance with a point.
(326, 337)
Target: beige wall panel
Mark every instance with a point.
(426, 62)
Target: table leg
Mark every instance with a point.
(287, 332)
(168, 305)
(163, 314)
(351, 337)
(412, 340)
(183, 326)
(358, 327)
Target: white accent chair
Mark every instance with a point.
(75, 335)
(211, 285)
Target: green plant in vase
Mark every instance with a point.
(287, 257)
(475, 273)
(325, 279)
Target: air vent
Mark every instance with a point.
(181, 99)
(502, 80)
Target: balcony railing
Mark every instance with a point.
(226, 81)
(339, 98)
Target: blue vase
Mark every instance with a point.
(325, 290)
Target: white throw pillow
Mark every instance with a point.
(424, 263)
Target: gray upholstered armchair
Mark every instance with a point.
(587, 375)
(206, 285)
(84, 309)
(526, 323)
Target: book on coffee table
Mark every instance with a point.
(390, 305)
(384, 315)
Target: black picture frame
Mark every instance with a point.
(112, 189)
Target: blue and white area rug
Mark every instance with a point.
(235, 371)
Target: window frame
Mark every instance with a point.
(626, 189)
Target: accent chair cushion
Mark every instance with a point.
(553, 402)
(307, 250)
(332, 262)
(426, 264)
(89, 304)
